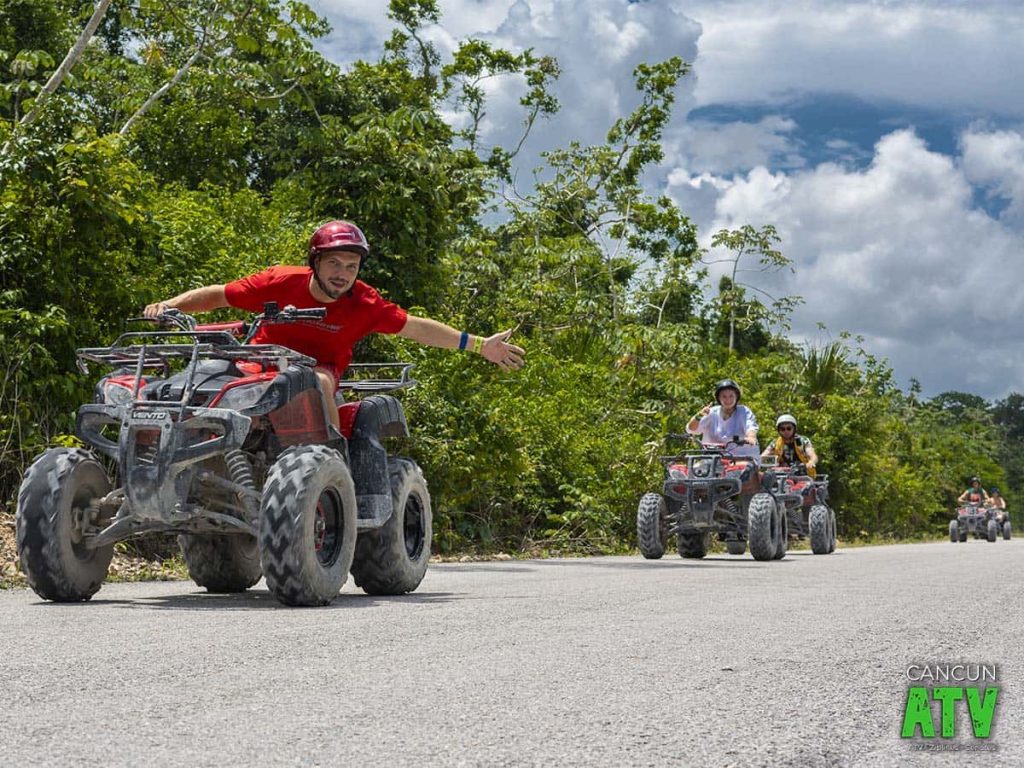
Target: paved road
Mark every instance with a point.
(606, 661)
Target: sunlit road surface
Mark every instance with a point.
(602, 661)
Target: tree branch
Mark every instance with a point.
(69, 61)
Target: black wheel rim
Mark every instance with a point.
(82, 497)
(412, 527)
(328, 533)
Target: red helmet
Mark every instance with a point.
(338, 236)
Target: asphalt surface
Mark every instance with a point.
(604, 661)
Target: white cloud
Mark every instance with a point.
(899, 253)
(931, 54)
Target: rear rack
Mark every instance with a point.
(375, 384)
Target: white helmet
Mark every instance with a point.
(785, 419)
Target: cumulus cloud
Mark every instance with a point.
(936, 54)
(916, 250)
(899, 253)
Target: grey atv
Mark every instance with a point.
(979, 521)
(806, 502)
(227, 444)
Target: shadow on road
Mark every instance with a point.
(254, 600)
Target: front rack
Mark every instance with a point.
(134, 349)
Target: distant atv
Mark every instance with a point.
(979, 521)
(228, 445)
(806, 500)
(710, 492)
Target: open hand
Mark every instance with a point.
(506, 356)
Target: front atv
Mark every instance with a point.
(228, 445)
(710, 493)
(974, 519)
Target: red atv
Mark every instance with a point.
(711, 492)
(227, 444)
(806, 500)
(980, 521)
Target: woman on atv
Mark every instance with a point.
(998, 503)
(723, 423)
(975, 494)
(791, 448)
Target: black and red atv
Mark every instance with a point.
(228, 444)
(974, 519)
(710, 492)
(806, 501)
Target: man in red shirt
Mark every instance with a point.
(336, 252)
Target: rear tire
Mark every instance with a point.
(1006, 530)
(735, 546)
(992, 530)
(392, 559)
(817, 523)
(963, 537)
(693, 546)
(762, 526)
(652, 525)
(831, 530)
(222, 564)
(954, 531)
(307, 525)
(58, 565)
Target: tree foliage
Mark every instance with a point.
(194, 142)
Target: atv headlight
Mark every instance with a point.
(116, 394)
(242, 397)
(702, 467)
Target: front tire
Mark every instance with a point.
(783, 545)
(392, 560)
(1006, 530)
(762, 526)
(954, 531)
(652, 525)
(57, 488)
(307, 525)
(992, 530)
(817, 522)
(222, 564)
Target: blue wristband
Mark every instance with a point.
(463, 340)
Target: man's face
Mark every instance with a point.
(337, 271)
(787, 431)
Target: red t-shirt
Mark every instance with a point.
(358, 313)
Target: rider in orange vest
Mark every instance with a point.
(791, 448)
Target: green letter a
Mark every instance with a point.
(918, 713)
(981, 713)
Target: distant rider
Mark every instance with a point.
(998, 503)
(720, 424)
(791, 448)
(975, 494)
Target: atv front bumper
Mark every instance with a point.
(157, 453)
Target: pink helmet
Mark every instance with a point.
(338, 236)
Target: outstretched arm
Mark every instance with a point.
(204, 299)
(434, 334)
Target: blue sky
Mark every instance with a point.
(884, 140)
